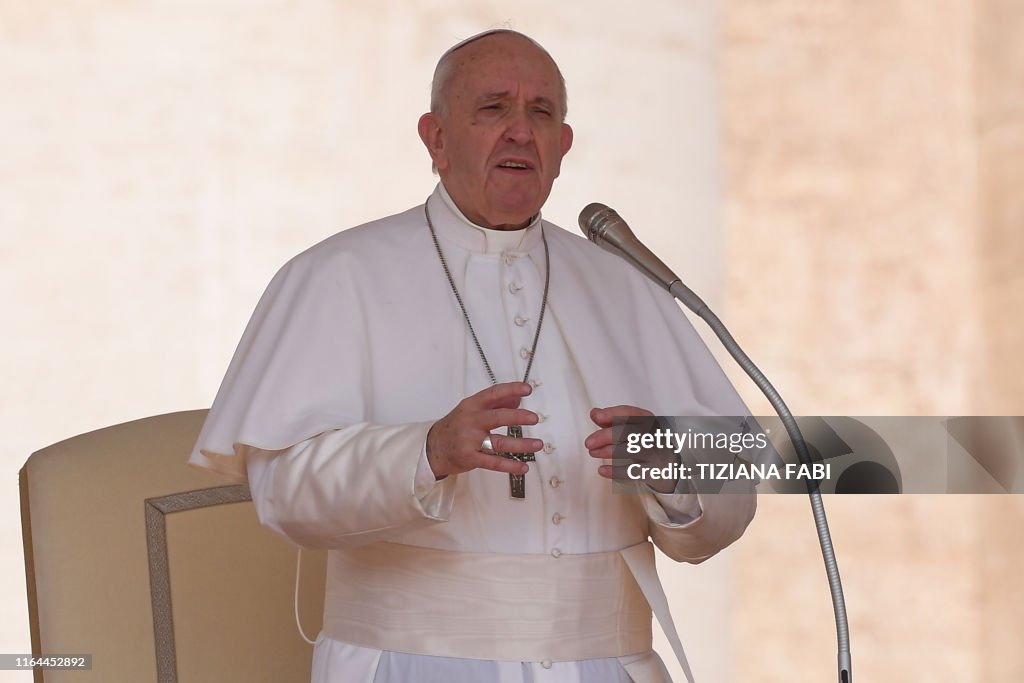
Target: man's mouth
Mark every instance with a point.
(522, 165)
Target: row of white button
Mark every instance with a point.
(524, 353)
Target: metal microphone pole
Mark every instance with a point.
(605, 227)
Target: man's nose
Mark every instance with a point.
(519, 129)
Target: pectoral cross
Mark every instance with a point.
(517, 482)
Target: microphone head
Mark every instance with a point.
(604, 227)
(595, 219)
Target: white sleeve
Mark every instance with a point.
(349, 486)
(680, 506)
(691, 527)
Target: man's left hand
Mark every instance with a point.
(601, 444)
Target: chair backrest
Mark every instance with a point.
(156, 569)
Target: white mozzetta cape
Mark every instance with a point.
(358, 346)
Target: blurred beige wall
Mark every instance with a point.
(837, 178)
(873, 158)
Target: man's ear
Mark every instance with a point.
(433, 139)
(566, 138)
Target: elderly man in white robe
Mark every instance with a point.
(430, 396)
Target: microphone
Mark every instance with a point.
(606, 228)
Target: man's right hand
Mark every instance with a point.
(454, 443)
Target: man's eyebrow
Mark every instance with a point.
(493, 95)
(547, 102)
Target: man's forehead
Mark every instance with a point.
(499, 63)
(500, 60)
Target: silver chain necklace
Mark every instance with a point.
(517, 482)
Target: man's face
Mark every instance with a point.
(498, 146)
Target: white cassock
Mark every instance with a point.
(358, 346)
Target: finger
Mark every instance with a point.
(505, 417)
(605, 452)
(508, 444)
(599, 439)
(603, 417)
(503, 395)
(496, 463)
(615, 472)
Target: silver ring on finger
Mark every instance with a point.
(486, 445)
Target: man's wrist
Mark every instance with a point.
(430, 459)
(426, 478)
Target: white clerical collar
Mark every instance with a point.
(452, 224)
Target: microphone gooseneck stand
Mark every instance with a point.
(607, 229)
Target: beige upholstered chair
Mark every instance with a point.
(159, 571)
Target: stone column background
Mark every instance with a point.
(873, 159)
(838, 179)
